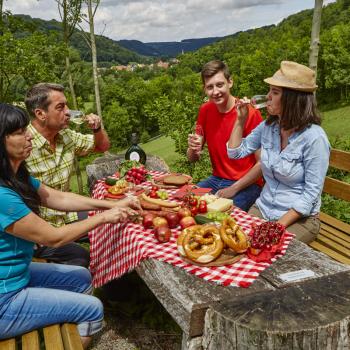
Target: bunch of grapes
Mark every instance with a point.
(266, 235)
(136, 175)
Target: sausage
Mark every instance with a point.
(149, 206)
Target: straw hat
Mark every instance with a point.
(294, 76)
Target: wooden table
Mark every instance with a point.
(187, 298)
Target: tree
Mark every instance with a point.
(69, 11)
(315, 35)
(92, 6)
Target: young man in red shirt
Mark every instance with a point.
(239, 179)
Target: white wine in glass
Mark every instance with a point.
(76, 117)
(259, 101)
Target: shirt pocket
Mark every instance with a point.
(266, 149)
(290, 163)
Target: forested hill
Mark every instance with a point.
(167, 49)
(108, 50)
(255, 54)
(123, 51)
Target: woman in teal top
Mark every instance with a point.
(33, 295)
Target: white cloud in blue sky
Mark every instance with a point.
(173, 20)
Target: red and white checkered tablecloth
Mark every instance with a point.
(118, 248)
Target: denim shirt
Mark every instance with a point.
(295, 176)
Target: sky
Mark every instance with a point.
(172, 20)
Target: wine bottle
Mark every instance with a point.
(135, 152)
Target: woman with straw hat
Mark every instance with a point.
(294, 151)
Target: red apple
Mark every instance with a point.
(187, 221)
(162, 234)
(183, 212)
(172, 219)
(160, 221)
(148, 220)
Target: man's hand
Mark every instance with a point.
(93, 121)
(227, 192)
(195, 144)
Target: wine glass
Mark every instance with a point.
(198, 133)
(76, 116)
(259, 101)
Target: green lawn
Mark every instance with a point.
(163, 147)
(337, 122)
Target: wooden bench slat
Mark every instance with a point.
(71, 337)
(337, 188)
(8, 344)
(340, 160)
(336, 256)
(30, 341)
(331, 244)
(340, 225)
(331, 230)
(334, 237)
(52, 336)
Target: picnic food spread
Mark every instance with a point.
(122, 247)
(208, 232)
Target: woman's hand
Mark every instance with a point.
(242, 111)
(119, 215)
(131, 202)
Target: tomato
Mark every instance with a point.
(154, 188)
(193, 202)
(194, 211)
(153, 194)
(202, 207)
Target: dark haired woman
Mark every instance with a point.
(294, 151)
(33, 295)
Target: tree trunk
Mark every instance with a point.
(70, 81)
(94, 58)
(315, 35)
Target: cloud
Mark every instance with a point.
(173, 20)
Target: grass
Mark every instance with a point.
(336, 122)
(163, 147)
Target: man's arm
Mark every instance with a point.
(101, 139)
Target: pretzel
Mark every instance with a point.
(201, 243)
(233, 236)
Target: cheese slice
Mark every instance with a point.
(221, 204)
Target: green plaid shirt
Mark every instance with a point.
(54, 167)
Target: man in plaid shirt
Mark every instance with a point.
(52, 158)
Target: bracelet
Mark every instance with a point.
(96, 130)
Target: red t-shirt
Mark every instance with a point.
(217, 128)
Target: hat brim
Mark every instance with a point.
(289, 84)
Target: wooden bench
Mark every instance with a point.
(334, 236)
(55, 337)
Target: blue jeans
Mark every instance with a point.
(55, 294)
(244, 199)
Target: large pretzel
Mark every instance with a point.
(202, 244)
(233, 236)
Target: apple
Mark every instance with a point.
(183, 212)
(162, 234)
(148, 220)
(172, 219)
(187, 221)
(159, 221)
